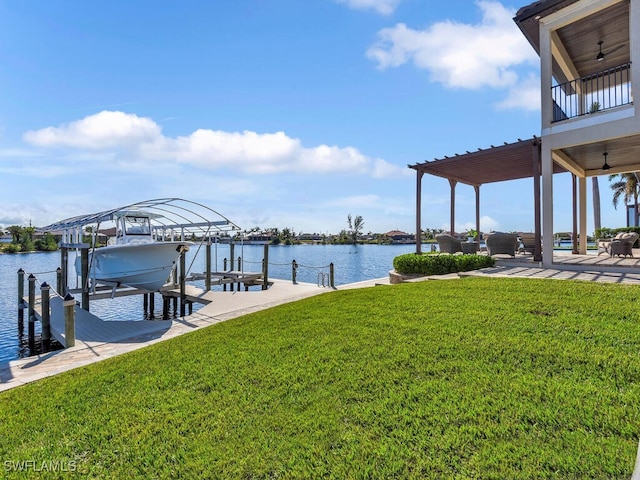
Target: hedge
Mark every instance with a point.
(427, 264)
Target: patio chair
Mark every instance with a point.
(448, 244)
(502, 243)
(528, 240)
(621, 244)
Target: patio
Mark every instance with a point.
(595, 267)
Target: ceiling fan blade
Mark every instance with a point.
(614, 49)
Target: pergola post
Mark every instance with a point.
(477, 189)
(419, 176)
(537, 170)
(452, 184)
(574, 201)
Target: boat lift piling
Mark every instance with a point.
(46, 317)
(20, 303)
(32, 313)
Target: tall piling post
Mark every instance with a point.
(165, 307)
(69, 304)
(183, 294)
(207, 278)
(84, 273)
(152, 305)
(294, 271)
(64, 261)
(332, 282)
(46, 317)
(231, 262)
(59, 286)
(265, 267)
(32, 313)
(224, 269)
(20, 302)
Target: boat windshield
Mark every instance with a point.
(136, 225)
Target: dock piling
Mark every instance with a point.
(207, 278)
(20, 302)
(46, 317)
(332, 283)
(59, 286)
(183, 294)
(64, 260)
(69, 304)
(294, 271)
(152, 304)
(84, 272)
(32, 315)
(265, 267)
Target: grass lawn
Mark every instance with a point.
(471, 378)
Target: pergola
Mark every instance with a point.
(510, 161)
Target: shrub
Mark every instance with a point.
(426, 264)
(11, 248)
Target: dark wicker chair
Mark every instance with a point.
(448, 244)
(502, 243)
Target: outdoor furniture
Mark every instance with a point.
(502, 243)
(470, 247)
(528, 240)
(621, 244)
(448, 244)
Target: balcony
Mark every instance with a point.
(601, 91)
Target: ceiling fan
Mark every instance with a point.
(600, 56)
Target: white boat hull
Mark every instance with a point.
(146, 266)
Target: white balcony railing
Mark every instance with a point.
(600, 91)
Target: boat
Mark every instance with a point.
(134, 258)
(149, 238)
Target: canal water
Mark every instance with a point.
(352, 263)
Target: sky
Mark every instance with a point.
(275, 113)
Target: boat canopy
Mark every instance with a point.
(167, 216)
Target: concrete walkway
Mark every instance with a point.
(223, 306)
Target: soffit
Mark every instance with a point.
(623, 155)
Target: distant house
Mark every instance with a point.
(310, 237)
(397, 236)
(258, 238)
(6, 238)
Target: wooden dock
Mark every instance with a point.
(91, 330)
(97, 339)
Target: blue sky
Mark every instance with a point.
(276, 113)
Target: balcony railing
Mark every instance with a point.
(595, 93)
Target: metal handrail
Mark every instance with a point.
(600, 91)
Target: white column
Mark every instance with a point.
(546, 106)
(547, 207)
(582, 220)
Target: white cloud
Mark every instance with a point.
(130, 139)
(103, 130)
(460, 55)
(385, 7)
(525, 95)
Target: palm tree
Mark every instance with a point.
(628, 187)
(595, 190)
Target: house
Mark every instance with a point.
(589, 55)
(397, 236)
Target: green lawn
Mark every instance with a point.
(471, 378)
